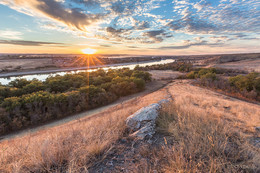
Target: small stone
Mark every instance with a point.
(256, 142)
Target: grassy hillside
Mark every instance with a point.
(201, 131)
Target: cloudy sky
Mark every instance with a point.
(130, 26)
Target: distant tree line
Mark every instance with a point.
(29, 102)
(175, 66)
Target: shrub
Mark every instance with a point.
(142, 75)
(248, 82)
(140, 83)
(19, 83)
(192, 75)
(33, 86)
(211, 76)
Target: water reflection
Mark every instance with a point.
(43, 77)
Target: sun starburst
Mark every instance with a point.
(89, 51)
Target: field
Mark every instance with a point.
(80, 144)
(24, 64)
(246, 65)
(164, 74)
(44, 63)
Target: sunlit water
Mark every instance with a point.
(43, 77)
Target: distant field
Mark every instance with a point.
(164, 74)
(21, 64)
(248, 65)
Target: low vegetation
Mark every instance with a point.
(202, 143)
(25, 103)
(175, 66)
(243, 86)
(233, 82)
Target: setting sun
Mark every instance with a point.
(89, 51)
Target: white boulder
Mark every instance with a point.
(142, 122)
(140, 118)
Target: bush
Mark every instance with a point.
(248, 82)
(176, 66)
(241, 86)
(142, 75)
(203, 73)
(140, 83)
(33, 86)
(19, 83)
(211, 76)
(192, 75)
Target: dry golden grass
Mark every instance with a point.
(242, 114)
(203, 131)
(12, 64)
(247, 65)
(164, 74)
(203, 123)
(211, 132)
(73, 146)
(203, 143)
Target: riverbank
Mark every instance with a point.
(5, 78)
(55, 70)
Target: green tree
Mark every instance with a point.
(19, 83)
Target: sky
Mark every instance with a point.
(147, 27)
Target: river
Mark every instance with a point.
(45, 74)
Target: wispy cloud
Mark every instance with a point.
(29, 43)
(157, 36)
(212, 23)
(8, 34)
(187, 44)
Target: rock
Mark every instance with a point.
(256, 142)
(142, 117)
(164, 101)
(146, 131)
(257, 129)
(142, 122)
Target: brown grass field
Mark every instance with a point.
(246, 65)
(25, 64)
(204, 122)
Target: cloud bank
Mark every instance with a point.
(147, 21)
